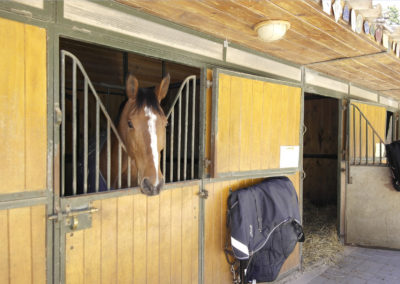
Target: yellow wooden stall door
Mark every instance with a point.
(216, 268)
(138, 239)
(23, 151)
(253, 120)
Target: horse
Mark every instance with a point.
(142, 129)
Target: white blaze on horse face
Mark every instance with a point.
(153, 138)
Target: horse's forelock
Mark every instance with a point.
(147, 98)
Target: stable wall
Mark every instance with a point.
(372, 208)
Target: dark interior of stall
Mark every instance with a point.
(107, 69)
(320, 193)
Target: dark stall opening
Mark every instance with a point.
(107, 69)
(320, 194)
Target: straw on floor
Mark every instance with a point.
(322, 244)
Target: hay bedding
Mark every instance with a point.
(322, 244)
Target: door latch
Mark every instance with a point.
(74, 220)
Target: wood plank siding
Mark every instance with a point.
(23, 245)
(254, 119)
(138, 239)
(216, 269)
(23, 107)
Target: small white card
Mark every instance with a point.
(289, 156)
(377, 151)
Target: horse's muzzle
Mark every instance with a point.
(149, 189)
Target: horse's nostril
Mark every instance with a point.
(146, 187)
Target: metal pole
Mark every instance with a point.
(186, 131)
(74, 129)
(171, 157)
(97, 147)
(179, 138)
(63, 125)
(108, 156)
(85, 138)
(119, 166)
(193, 123)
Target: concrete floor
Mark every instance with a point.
(356, 265)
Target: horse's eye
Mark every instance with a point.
(130, 124)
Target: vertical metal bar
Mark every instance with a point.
(129, 171)
(193, 123)
(85, 137)
(63, 125)
(360, 138)
(108, 155)
(373, 148)
(366, 144)
(97, 173)
(186, 130)
(179, 137)
(74, 129)
(171, 157)
(354, 135)
(165, 157)
(119, 165)
(380, 152)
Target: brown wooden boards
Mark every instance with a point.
(138, 239)
(216, 269)
(23, 114)
(253, 119)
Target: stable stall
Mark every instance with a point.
(311, 106)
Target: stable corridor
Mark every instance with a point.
(355, 265)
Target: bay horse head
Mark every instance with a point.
(142, 128)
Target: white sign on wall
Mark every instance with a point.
(380, 150)
(289, 156)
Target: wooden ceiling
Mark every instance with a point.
(314, 39)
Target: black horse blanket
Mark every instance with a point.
(265, 226)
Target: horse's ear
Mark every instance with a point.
(132, 86)
(162, 89)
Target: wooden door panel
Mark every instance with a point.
(253, 119)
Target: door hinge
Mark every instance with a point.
(209, 84)
(74, 220)
(203, 194)
(304, 129)
(207, 163)
(57, 114)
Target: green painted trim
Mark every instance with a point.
(366, 102)
(122, 192)
(268, 173)
(324, 92)
(202, 120)
(201, 258)
(30, 12)
(301, 142)
(51, 245)
(256, 173)
(257, 77)
(339, 165)
(4, 205)
(23, 195)
(214, 120)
